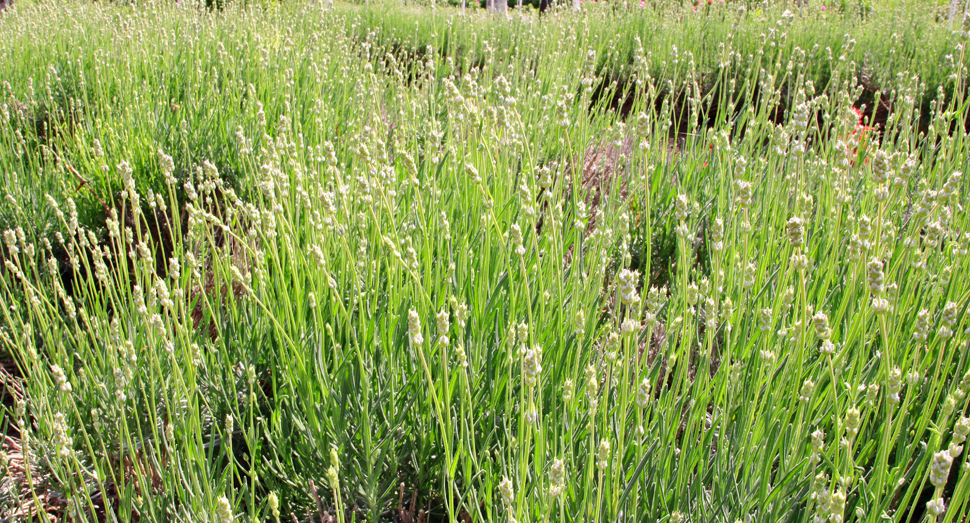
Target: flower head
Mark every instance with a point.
(414, 328)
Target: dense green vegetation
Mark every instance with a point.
(383, 262)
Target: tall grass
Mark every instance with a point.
(605, 266)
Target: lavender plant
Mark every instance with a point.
(344, 262)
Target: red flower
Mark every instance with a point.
(860, 127)
(860, 133)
